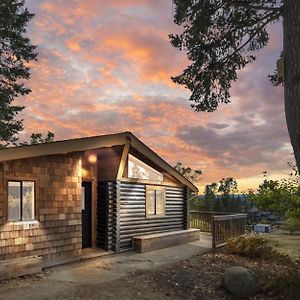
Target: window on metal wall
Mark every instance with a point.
(155, 201)
(21, 200)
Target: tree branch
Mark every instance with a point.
(272, 17)
(256, 7)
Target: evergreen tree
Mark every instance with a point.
(209, 199)
(222, 36)
(227, 189)
(37, 138)
(16, 51)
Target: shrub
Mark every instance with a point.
(292, 224)
(254, 246)
(285, 284)
(294, 213)
(265, 221)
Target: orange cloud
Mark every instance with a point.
(73, 45)
(105, 66)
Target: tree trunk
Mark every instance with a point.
(291, 50)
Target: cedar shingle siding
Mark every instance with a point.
(57, 235)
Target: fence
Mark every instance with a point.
(221, 225)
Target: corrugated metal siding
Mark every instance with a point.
(132, 213)
(107, 216)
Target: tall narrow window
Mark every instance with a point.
(14, 201)
(150, 202)
(21, 201)
(155, 201)
(160, 202)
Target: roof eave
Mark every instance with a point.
(62, 147)
(145, 150)
(91, 143)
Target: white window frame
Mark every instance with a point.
(21, 201)
(155, 189)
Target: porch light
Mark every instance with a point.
(92, 158)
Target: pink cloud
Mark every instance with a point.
(105, 66)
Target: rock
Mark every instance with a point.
(241, 282)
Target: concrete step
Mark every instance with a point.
(155, 241)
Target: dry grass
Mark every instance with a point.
(285, 242)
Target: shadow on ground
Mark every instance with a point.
(128, 275)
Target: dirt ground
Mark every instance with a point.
(285, 242)
(200, 277)
(179, 272)
(108, 277)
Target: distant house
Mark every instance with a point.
(61, 197)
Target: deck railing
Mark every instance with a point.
(221, 225)
(226, 227)
(203, 219)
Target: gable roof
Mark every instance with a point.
(91, 143)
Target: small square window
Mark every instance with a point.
(155, 201)
(21, 200)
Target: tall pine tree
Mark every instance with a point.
(16, 51)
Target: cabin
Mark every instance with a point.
(101, 192)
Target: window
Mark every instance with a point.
(155, 201)
(138, 169)
(21, 206)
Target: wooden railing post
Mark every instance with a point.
(187, 208)
(213, 232)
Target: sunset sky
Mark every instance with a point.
(105, 67)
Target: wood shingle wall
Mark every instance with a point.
(56, 235)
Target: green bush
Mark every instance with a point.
(295, 213)
(254, 246)
(292, 224)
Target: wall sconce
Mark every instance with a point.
(92, 158)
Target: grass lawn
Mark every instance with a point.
(285, 242)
